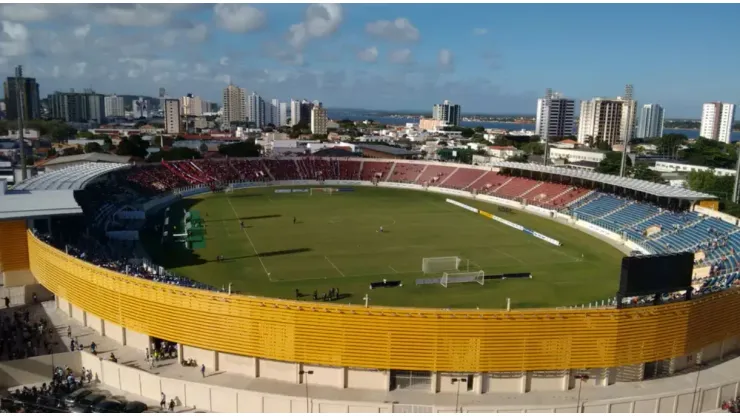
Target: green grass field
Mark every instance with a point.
(336, 243)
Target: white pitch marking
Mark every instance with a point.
(250, 241)
(334, 266)
(391, 267)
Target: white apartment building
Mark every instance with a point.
(576, 155)
(555, 116)
(235, 106)
(716, 121)
(256, 110)
(282, 115)
(651, 121)
(608, 119)
(447, 112)
(272, 110)
(172, 116)
(193, 106)
(113, 106)
(318, 120)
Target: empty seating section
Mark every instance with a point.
(631, 214)
(516, 187)
(600, 206)
(406, 172)
(488, 182)
(461, 178)
(375, 170)
(434, 174)
(349, 170)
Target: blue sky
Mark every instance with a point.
(494, 58)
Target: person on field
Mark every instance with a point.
(293, 220)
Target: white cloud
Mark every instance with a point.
(14, 40)
(78, 69)
(480, 31)
(196, 34)
(55, 71)
(238, 18)
(400, 56)
(25, 12)
(445, 60)
(320, 20)
(368, 54)
(223, 78)
(81, 31)
(400, 30)
(133, 15)
(224, 61)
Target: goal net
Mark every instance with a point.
(440, 264)
(465, 277)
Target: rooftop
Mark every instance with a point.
(25, 204)
(88, 157)
(651, 188)
(388, 149)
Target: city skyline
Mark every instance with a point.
(380, 53)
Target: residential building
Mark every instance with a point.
(235, 106)
(716, 121)
(318, 120)
(114, 106)
(172, 121)
(191, 105)
(300, 111)
(431, 124)
(78, 107)
(449, 113)
(282, 115)
(611, 120)
(256, 110)
(272, 112)
(555, 116)
(651, 121)
(29, 88)
(141, 108)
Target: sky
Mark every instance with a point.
(489, 58)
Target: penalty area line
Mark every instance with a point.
(334, 266)
(250, 241)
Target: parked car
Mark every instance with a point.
(109, 406)
(72, 398)
(86, 404)
(135, 407)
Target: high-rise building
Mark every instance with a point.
(318, 119)
(272, 113)
(172, 121)
(77, 106)
(31, 101)
(114, 106)
(193, 106)
(555, 116)
(141, 108)
(256, 110)
(449, 113)
(283, 115)
(716, 121)
(235, 106)
(300, 111)
(611, 120)
(651, 121)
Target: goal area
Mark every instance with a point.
(464, 277)
(440, 264)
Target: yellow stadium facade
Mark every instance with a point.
(610, 344)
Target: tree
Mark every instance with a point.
(708, 182)
(77, 150)
(320, 137)
(642, 171)
(176, 153)
(93, 147)
(518, 158)
(247, 148)
(84, 135)
(669, 144)
(479, 129)
(611, 163)
(132, 146)
(711, 153)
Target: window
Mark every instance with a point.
(417, 380)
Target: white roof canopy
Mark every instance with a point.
(71, 178)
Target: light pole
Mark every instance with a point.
(582, 378)
(305, 375)
(696, 390)
(458, 380)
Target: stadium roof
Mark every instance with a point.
(70, 178)
(24, 204)
(388, 149)
(651, 188)
(88, 157)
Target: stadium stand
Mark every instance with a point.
(69, 178)
(435, 174)
(406, 172)
(462, 178)
(375, 170)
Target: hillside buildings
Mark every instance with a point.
(611, 120)
(447, 112)
(555, 116)
(651, 121)
(716, 121)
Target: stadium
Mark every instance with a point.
(416, 283)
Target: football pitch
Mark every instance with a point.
(335, 243)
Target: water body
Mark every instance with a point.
(341, 115)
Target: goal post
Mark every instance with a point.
(440, 264)
(464, 277)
